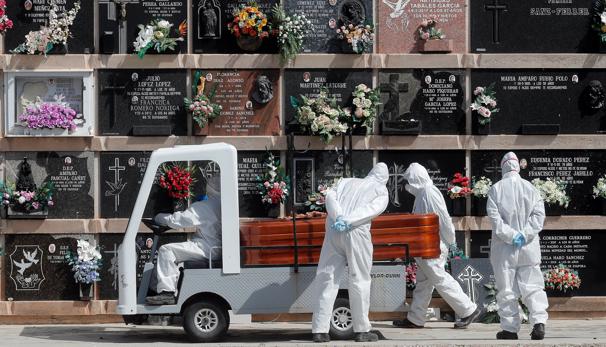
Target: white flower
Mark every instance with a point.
(481, 187)
(164, 24)
(603, 17)
(484, 112)
(21, 199)
(145, 36)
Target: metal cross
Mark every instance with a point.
(470, 275)
(495, 7)
(116, 169)
(395, 183)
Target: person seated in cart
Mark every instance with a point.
(204, 246)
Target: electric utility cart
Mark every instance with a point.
(265, 266)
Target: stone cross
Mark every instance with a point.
(469, 276)
(495, 7)
(396, 178)
(116, 169)
(391, 110)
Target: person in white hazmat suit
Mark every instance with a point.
(351, 206)
(431, 272)
(205, 244)
(517, 213)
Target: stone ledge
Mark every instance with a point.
(551, 223)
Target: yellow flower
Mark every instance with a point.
(243, 15)
(251, 22)
(604, 28)
(264, 21)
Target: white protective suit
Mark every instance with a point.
(515, 206)
(357, 201)
(431, 272)
(206, 217)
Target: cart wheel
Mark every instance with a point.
(205, 321)
(341, 321)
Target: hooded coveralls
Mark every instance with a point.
(356, 201)
(515, 206)
(430, 272)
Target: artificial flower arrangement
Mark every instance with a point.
(274, 185)
(481, 187)
(55, 34)
(28, 201)
(85, 263)
(201, 106)
(599, 190)
(484, 103)
(553, 191)
(562, 279)
(177, 180)
(5, 22)
(317, 201)
(365, 103)
(428, 30)
(292, 31)
(458, 187)
(250, 26)
(411, 275)
(320, 116)
(156, 35)
(599, 20)
(360, 37)
(50, 115)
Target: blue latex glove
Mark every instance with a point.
(340, 225)
(519, 240)
(202, 197)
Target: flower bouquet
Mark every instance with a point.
(49, 115)
(250, 26)
(274, 185)
(431, 38)
(365, 102)
(599, 191)
(320, 116)
(28, 203)
(411, 275)
(484, 103)
(5, 22)
(177, 180)
(156, 35)
(480, 190)
(360, 37)
(317, 201)
(598, 21)
(53, 36)
(292, 31)
(561, 279)
(201, 106)
(458, 187)
(553, 191)
(85, 265)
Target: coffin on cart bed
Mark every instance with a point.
(265, 243)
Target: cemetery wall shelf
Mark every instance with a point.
(551, 223)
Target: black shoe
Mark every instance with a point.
(405, 323)
(464, 322)
(538, 332)
(164, 298)
(321, 337)
(367, 337)
(506, 335)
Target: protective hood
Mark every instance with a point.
(213, 186)
(380, 173)
(418, 178)
(510, 163)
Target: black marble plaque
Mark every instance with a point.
(340, 83)
(36, 268)
(250, 166)
(118, 24)
(581, 169)
(31, 18)
(70, 172)
(121, 177)
(580, 250)
(209, 26)
(441, 165)
(108, 286)
(534, 101)
(313, 168)
(327, 16)
(142, 102)
(432, 99)
(472, 274)
(539, 26)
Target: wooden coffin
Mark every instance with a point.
(272, 242)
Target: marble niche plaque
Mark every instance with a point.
(422, 101)
(30, 15)
(250, 100)
(70, 172)
(326, 17)
(119, 20)
(142, 102)
(399, 22)
(250, 166)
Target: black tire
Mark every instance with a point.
(341, 324)
(205, 321)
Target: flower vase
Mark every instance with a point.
(554, 293)
(435, 46)
(13, 212)
(478, 206)
(273, 211)
(179, 205)
(458, 207)
(86, 291)
(45, 132)
(58, 49)
(483, 129)
(249, 43)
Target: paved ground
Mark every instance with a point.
(559, 333)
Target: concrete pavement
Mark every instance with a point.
(559, 333)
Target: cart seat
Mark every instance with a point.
(201, 264)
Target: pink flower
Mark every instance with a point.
(266, 184)
(478, 91)
(484, 112)
(425, 36)
(50, 203)
(425, 23)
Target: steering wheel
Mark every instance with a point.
(153, 226)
